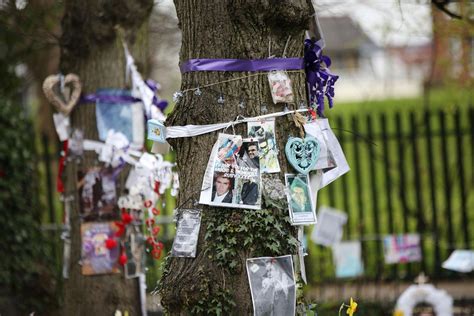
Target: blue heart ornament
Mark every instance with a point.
(302, 153)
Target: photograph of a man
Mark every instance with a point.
(272, 285)
(264, 131)
(248, 173)
(300, 200)
(222, 190)
(252, 151)
(300, 203)
(248, 155)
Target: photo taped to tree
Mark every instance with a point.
(264, 131)
(232, 177)
(300, 201)
(280, 86)
(97, 192)
(272, 285)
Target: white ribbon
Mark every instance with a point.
(140, 88)
(62, 125)
(195, 130)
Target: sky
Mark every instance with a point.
(387, 22)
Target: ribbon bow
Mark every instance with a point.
(320, 81)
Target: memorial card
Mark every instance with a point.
(187, 233)
(96, 257)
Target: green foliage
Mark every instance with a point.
(21, 239)
(220, 303)
(260, 232)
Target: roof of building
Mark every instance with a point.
(341, 33)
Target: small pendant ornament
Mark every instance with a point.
(302, 153)
(156, 131)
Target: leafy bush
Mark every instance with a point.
(24, 273)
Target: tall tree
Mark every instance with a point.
(216, 280)
(91, 48)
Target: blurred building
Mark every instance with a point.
(369, 71)
(453, 45)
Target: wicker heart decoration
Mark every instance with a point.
(56, 100)
(302, 153)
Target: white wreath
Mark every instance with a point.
(439, 299)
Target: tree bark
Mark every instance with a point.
(245, 29)
(91, 49)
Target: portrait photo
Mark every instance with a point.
(300, 203)
(272, 285)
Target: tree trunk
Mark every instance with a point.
(91, 49)
(245, 29)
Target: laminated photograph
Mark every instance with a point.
(125, 117)
(334, 154)
(328, 231)
(187, 233)
(300, 201)
(232, 177)
(97, 191)
(96, 257)
(135, 252)
(280, 87)
(402, 248)
(347, 257)
(272, 285)
(264, 131)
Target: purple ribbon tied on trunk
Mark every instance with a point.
(320, 81)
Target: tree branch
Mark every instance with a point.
(441, 5)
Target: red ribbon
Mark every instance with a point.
(62, 163)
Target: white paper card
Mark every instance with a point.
(328, 231)
(347, 258)
(342, 167)
(460, 260)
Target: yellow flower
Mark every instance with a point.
(352, 308)
(398, 313)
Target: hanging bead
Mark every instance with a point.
(221, 99)
(177, 95)
(198, 92)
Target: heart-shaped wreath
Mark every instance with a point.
(56, 100)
